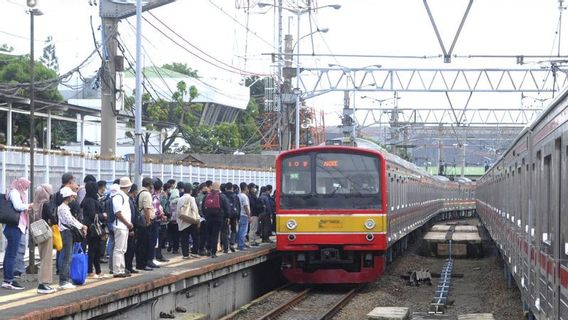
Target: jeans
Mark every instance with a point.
(19, 265)
(110, 250)
(243, 226)
(13, 235)
(66, 254)
(154, 230)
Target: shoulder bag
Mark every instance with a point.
(8, 215)
(40, 231)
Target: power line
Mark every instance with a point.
(224, 65)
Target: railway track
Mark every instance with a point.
(314, 304)
(295, 302)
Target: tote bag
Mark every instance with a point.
(78, 266)
(8, 215)
(57, 241)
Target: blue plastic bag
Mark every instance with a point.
(79, 265)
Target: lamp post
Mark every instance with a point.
(298, 12)
(33, 12)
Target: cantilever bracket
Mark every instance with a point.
(447, 54)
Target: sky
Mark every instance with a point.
(375, 27)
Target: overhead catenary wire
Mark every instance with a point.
(218, 63)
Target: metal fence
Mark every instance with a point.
(49, 167)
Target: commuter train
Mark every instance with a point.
(523, 202)
(340, 208)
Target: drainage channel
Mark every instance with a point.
(440, 300)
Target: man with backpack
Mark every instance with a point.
(229, 231)
(264, 216)
(216, 210)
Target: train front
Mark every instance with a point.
(331, 219)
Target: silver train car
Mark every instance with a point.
(523, 202)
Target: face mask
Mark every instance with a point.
(204, 192)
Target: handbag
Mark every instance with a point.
(76, 233)
(186, 215)
(98, 229)
(78, 266)
(57, 241)
(40, 231)
(8, 215)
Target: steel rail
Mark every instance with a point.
(341, 303)
(286, 305)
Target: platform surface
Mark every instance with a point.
(28, 304)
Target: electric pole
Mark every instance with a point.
(108, 91)
(286, 97)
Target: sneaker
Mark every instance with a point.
(153, 266)
(12, 285)
(186, 257)
(17, 275)
(193, 255)
(254, 244)
(156, 262)
(226, 251)
(163, 260)
(232, 248)
(67, 285)
(44, 289)
(120, 275)
(213, 255)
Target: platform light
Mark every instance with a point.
(370, 224)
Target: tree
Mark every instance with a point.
(181, 68)
(49, 57)
(14, 79)
(6, 48)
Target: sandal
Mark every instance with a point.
(164, 315)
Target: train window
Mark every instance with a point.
(331, 180)
(546, 192)
(296, 175)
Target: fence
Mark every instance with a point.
(49, 167)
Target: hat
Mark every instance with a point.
(67, 192)
(125, 182)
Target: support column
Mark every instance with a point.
(9, 126)
(82, 118)
(48, 130)
(108, 98)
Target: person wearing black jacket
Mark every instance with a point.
(215, 217)
(91, 208)
(229, 231)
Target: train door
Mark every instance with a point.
(563, 223)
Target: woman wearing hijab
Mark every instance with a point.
(41, 209)
(13, 233)
(92, 208)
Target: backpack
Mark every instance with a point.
(138, 219)
(212, 203)
(234, 206)
(109, 209)
(51, 211)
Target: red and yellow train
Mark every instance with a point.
(340, 208)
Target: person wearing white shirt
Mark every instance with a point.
(122, 227)
(186, 229)
(13, 233)
(66, 221)
(245, 217)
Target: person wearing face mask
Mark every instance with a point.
(203, 236)
(66, 220)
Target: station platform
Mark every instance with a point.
(177, 284)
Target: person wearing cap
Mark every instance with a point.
(121, 205)
(66, 221)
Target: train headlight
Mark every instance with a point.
(291, 224)
(370, 224)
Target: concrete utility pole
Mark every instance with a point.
(394, 126)
(108, 96)
(347, 124)
(286, 93)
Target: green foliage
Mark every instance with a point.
(49, 57)
(6, 48)
(16, 70)
(181, 68)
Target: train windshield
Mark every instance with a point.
(330, 180)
